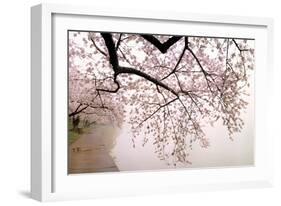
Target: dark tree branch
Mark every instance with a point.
(113, 58)
(118, 42)
(102, 52)
(129, 70)
(114, 90)
(178, 62)
(170, 116)
(205, 73)
(231, 68)
(187, 93)
(102, 105)
(238, 47)
(163, 47)
(226, 56)
(161, 106)
(241, 54)
(78, 107)
(78, 111)
(189, 117)
(124, 57)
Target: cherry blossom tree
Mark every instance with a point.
(167, 88)
(84, 98)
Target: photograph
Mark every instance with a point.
(152, 102)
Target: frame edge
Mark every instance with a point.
(36, 108)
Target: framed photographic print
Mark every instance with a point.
(137, 102)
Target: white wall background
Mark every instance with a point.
(15, 95)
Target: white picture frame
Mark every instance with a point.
(49, 180)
